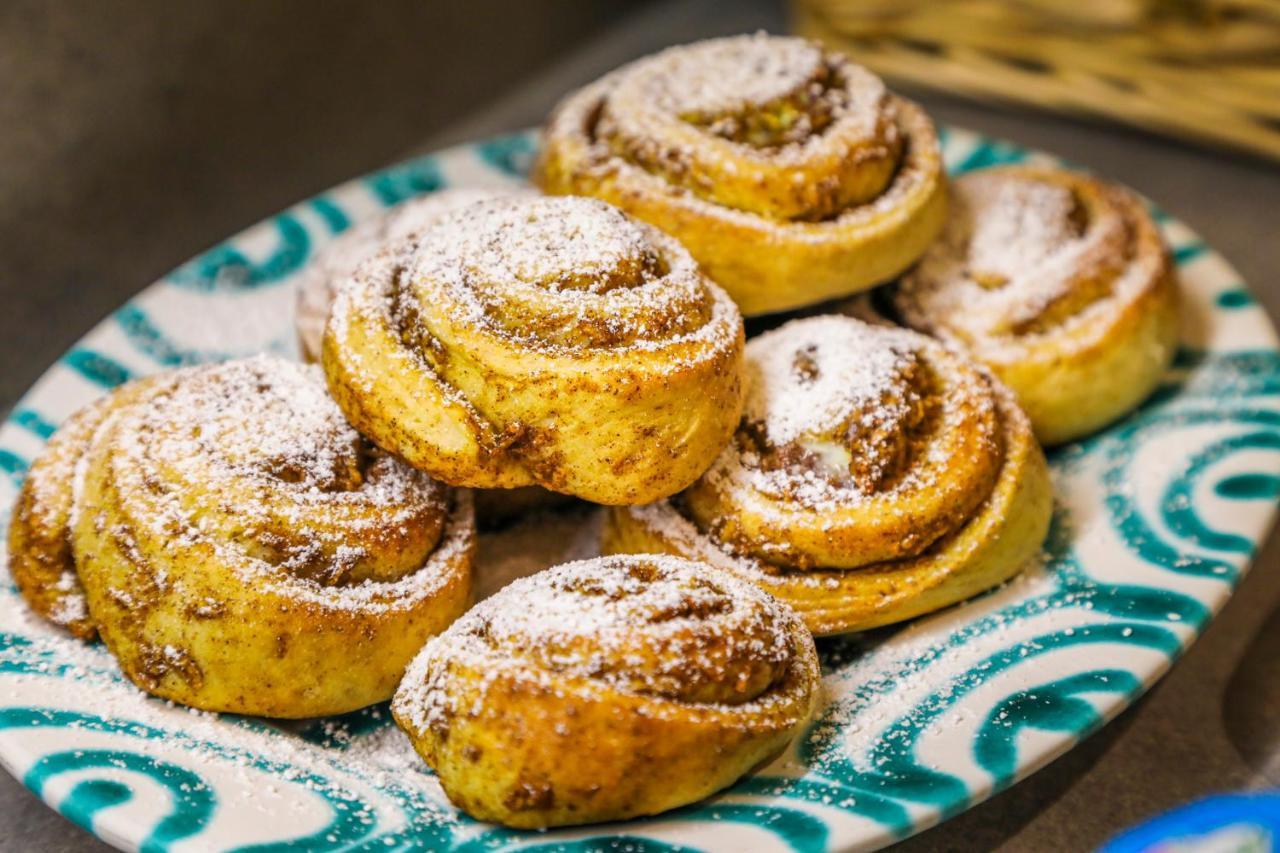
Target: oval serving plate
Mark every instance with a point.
(1155, 523)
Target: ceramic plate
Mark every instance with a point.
(1155, 523)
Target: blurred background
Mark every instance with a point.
(134, 134)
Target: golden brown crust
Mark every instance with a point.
(40, 555)
(608, 689)
(1061, 284)
(801, 520)
(242, 549)
(540, 341)
(786, 200)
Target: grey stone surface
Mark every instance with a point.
(1210, 725)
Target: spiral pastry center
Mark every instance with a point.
(844, 412)
(254, 457)
(1036, 221)
(759, 93)
(767, 125)
(558, 273)
(1021, 256)
(543, 245)
(858, 444)
(651, 626)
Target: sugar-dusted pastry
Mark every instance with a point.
(875, 476)
(1061, 284)
(41, 561)
(337, 261)
(548, 341)
(607, 689)
(238, 546)
(790, 173)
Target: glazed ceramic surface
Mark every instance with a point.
(1156, 520)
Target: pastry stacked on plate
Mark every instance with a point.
(265, 537)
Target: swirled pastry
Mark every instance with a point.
(875, 476)
(241, 548)
(41, 560)
(791, 174)
(548, 341)
(337, 261)
(607, 689)
(1061, 284)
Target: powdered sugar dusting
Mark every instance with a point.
(778, 100)
(649, 625)
(70, 607)
(832, 404)
(337, 261)
(1017, 226)
(1025, 255)
(805, 379)
(558, 244)
(859, 443)
(253, 459)
(731, 74)
(490, 309)
(557, 275)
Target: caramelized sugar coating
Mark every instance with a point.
(240, 548)
(791, 174)
(1061, 284)
(608, 689)
(875, 476)
(547, 341)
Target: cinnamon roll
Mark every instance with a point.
(791, 174)
(608, 689)
(1061, 284)
(337, 261)
(548, 341)
(240, 548)
(875, 476)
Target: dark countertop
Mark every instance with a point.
(1208, 726)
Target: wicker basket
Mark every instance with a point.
(1201, 69)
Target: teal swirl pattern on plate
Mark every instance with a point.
(1156, 521)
